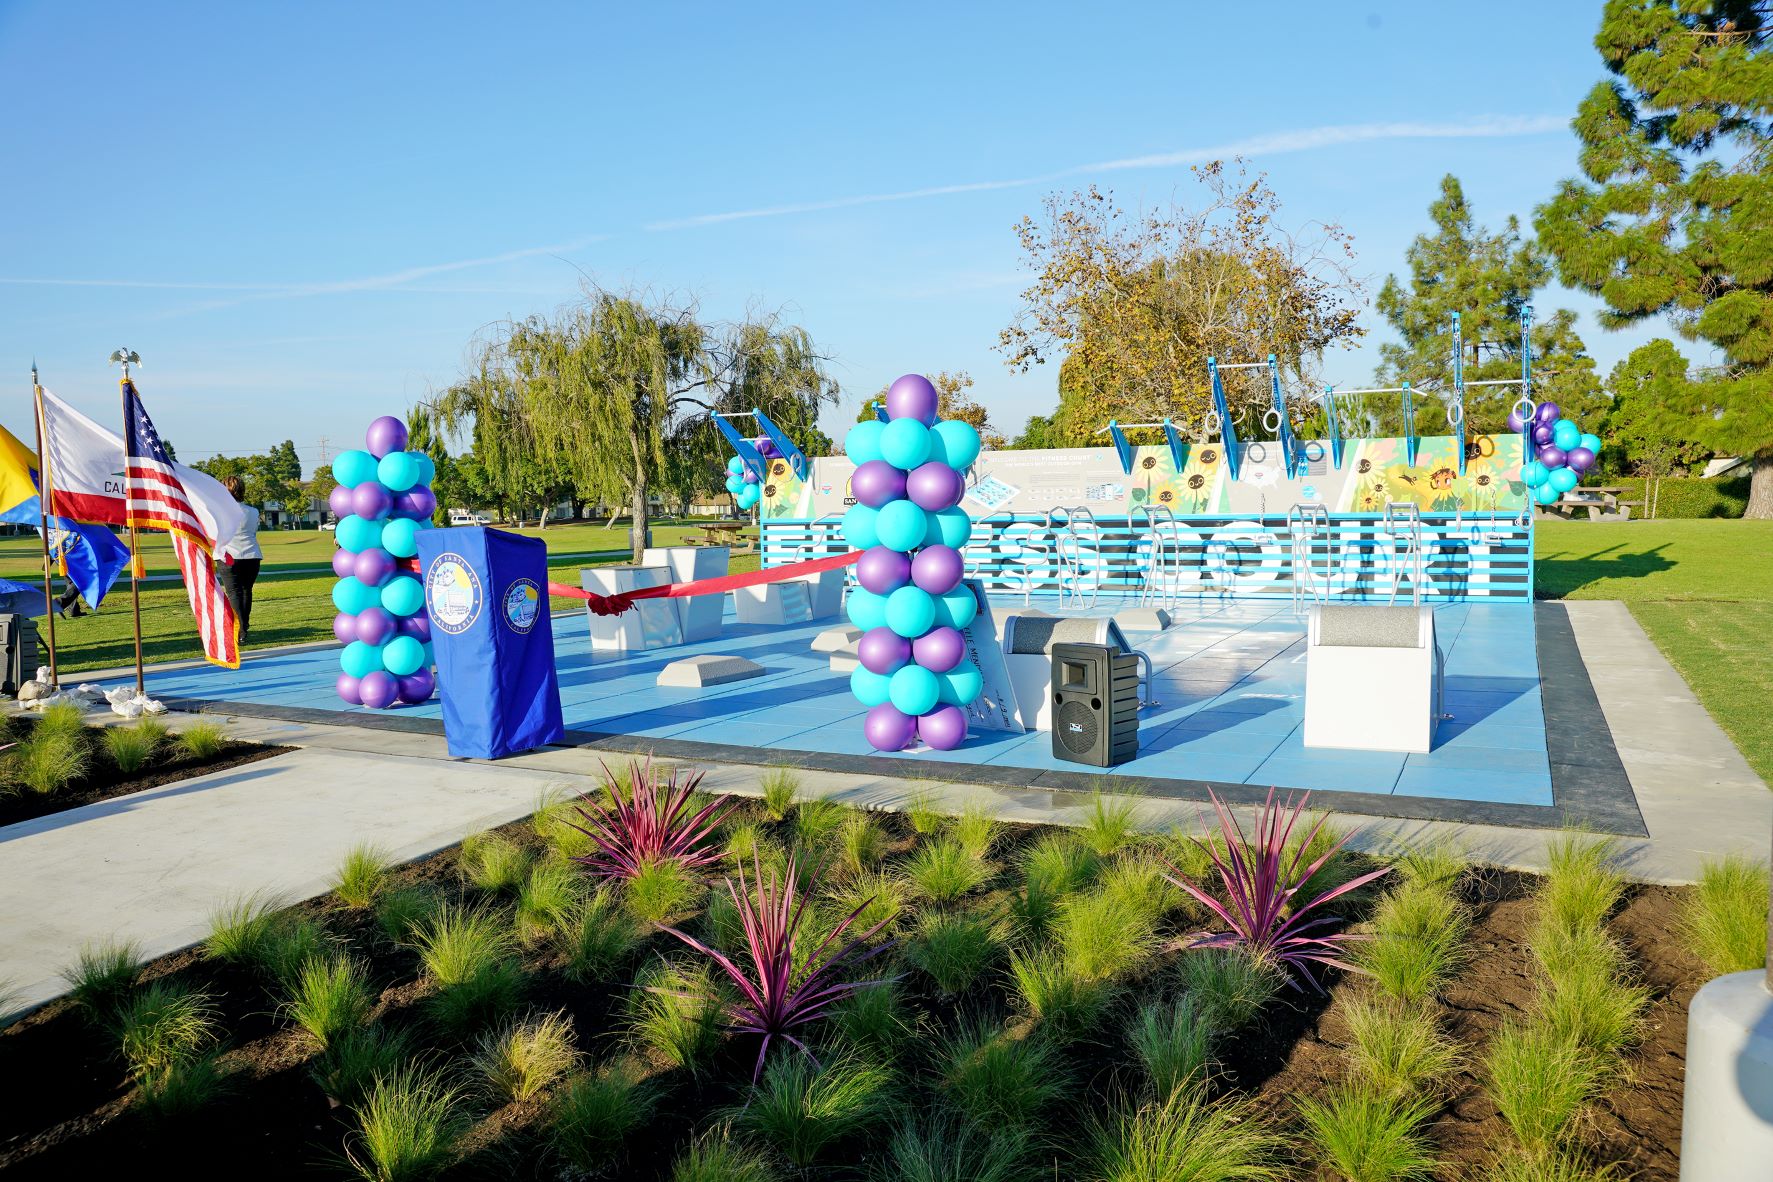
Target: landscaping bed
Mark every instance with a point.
(77, 765)
(1042, 1020)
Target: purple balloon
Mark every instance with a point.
(943, 728)
(940, 649)
(371, 500)
(373, 567)
(1541, 436)
(766, 447)
(883, 571)
(1546, 413)
(750, 477)
(418, 627)
(344, 563)
(339, 501)
(1515, 422)
(374, 626)
(1579, 458)
(344, 626)
(416, 503)
(349, 688)
(416, 687)
(912, 397)
(1552, 456)
(386, 434)
(883, 651)
(379, 690)
(938, 569)
(877, 482)
(888, 728)
(934, 486)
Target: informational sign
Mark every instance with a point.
(995, 707)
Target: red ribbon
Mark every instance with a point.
(615, 605)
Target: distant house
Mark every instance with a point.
(1722, 466)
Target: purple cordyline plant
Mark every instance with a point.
(647, 824)
(779, 989)
(1262, 882)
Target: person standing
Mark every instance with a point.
(241, 556)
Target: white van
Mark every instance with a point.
(467, 517)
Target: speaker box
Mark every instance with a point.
(1095, 704)
(18, 651)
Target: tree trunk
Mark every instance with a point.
(1760, 488)
(637, 527)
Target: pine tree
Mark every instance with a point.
(1674, 216)
(1488, 278)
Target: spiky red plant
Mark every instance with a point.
(1263, 910)
(647, 823)
(781, 989)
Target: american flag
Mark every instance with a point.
(157, 499)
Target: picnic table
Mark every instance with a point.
(724, 533)
(1601, 503)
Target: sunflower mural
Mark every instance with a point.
(1382, 474)
(1192, 490)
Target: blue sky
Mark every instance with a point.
(300, 215)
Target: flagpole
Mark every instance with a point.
(45, 495)
(125, 356)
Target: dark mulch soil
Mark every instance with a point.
(73, 1118)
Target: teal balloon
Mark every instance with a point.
(1563, 479)
(870, 688)
(399, 470)
(430, 653)
(960, 687)
(905, 443)
(736, 466)
(403, 596)
(859, 527)
(910, 612)
(866, 609)
(1533, 473)
(901, 525)
(400, 537)
(914, 689)
(358, 534)
(360, 660)
(863, 442)
(955, 443)
(948, 527)
(1545, 494)
(1591, 442)
(351, 595)
(352, 468)
(955, 609)
(748, 497)
(403, 655)
(427, 469)
(1566, 434)
(735, 484)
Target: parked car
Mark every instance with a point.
(330, 523)
(466, 517)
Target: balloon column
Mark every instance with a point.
(911, 607)
(382, 501)
(1562, 451)
(746, 485)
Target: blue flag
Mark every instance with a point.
(92, 555)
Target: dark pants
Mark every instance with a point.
(237, 578)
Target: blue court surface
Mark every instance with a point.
(1230, 686)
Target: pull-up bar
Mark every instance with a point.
(748, 454)
(1117, 431)
(1227, 431)
(1456, 411)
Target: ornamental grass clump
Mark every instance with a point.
(1724, 919)
(547, 900)
(330, 999)
(526, 1058)
(362, 877)
(861, 843)
(975, 830)
(1540, 1081)
(131, 747)
(400, 910)
(594, 1112)
(1105, 936)
(674, 1014)
(942, 1148)
(922, 812)
(599, 938)
(102, 973)
(1589, 1002)
(943, 871)
(877, 1019)
(648, 823)
(878, 898)
(1110, 823)
(1265, 910)
(781, 785)
(816, 823)
(1172, 1043)
(408, 1127)
(355, 1059)
(1418, 941)
(1228, 986)
(661, 892)
(784, 981)
(800, 1107)
(716, 1157)
(1581, 888)
(954, 949)
(1067, 1002)
(1186, 1138)
(493, 863)
(162, 1026)
(184, 1088)
(201, 740)
(50, 759)
(466, 952)
(1362, 1136)
(1395, 1050)
(997, 1079)
(257, 932)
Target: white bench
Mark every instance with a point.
(1372, 678)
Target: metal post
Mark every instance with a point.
(44, 497)
(123, 357)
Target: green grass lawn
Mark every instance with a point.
(1702, 590)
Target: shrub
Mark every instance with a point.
(598, 939)
(876, 1019)
(400, 911)
(1228, 985)
(330, 999)
(1110, 823)
(943, 1149)
(183, 1088)
(162, 1026)
(1689, 497)
(1539, 1081)
(1366, 1137)
(1724, 919)
(130, 747)
(975, 830)
(1172, 1044)
(1104, 936)
(407, 1127)
(362, 876)
(942, 871)
(547, 900)
(996, 1079)
(1186, 1139)
(780, 786)
(593, 1113)
(861, 842)
(953, 949)
(674, 1013)
(493, 863)
(525, 1058)
(1397, 1051)
(102, 973)
(202, 740)
(720, 1159)
(49, 760)
(467, 953)
(355, 1059)
(1264, 909)
(1581, 888)
(800, 1107)
(660, 892)
(1067, 1001)
(784, 979)
(816, 823)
